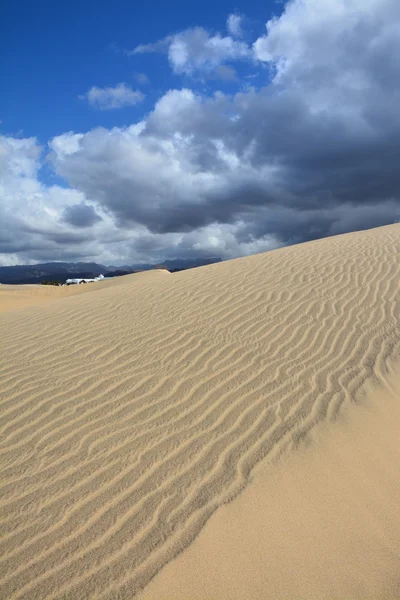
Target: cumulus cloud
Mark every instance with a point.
(319, 138)
(109, 98)
(28, 209)
(46, 223)
(195, 50)
(312, 153)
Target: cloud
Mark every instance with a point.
(160, 46)
(195, 50)
(311, 153)
(312, 42)
(110, 98)
(311, 147)
(224, 73)
(46, 223)
(80, 215)
(234, 25)
(29, 210)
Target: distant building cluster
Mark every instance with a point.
(83, 280)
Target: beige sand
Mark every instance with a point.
(13, 297)
(130, 414)
(322, 524)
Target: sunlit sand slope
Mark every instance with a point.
(131, 413)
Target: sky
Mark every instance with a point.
(139, 132)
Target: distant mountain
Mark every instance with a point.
(60, 271)
(54, 270)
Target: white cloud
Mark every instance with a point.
(160, 46)
(32, 225)
(196, 51)
(110, 98)
(313, 41)
(234, 25)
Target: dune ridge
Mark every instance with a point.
(14, 297)
(129, 415)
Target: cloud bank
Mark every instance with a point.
(312, 151)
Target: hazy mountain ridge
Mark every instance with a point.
(20, 274)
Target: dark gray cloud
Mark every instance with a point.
(80, 215)
(31, 243)
(301, 226)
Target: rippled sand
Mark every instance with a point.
(321, 524)
(133, 410)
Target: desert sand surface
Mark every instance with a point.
(323, 523)
(13, 297)
(132, 414)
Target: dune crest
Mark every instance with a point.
(129, 415)
(13, 297)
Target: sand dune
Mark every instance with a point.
(323, 523)
(13, 297)
(130, 414)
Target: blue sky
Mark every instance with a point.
(137, 133)
(54, 52)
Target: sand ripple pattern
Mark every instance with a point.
(128, 415)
